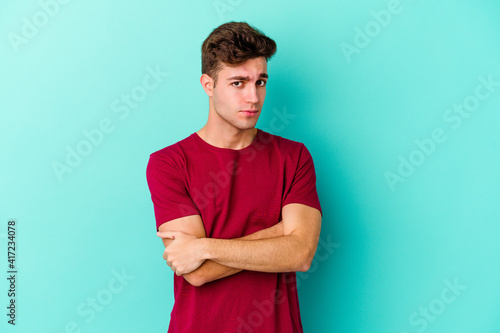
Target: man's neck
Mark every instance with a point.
(239, 139)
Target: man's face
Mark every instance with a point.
(239, 93)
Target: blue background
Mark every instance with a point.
(366, 96)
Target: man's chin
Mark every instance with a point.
(246, 127)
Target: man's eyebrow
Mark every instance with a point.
(246, 78)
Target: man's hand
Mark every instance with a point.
(184, 253)
(210, 271)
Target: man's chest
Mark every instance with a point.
(238, 197)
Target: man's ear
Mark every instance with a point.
(207, 83)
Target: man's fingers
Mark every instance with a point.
(166, 234)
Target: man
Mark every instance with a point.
(236, 207)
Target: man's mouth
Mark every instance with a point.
(249, 112)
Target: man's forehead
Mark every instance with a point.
(249, 68)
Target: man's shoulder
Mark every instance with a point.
(173, 150)
(283, 144)
(173, 154)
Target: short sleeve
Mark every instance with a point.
(169, 194)
(303, 187)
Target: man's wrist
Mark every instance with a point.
(205, 248)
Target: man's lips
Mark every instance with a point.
(249, 112)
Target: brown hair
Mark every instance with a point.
(233, 43)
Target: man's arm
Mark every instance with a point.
(293, 251)
(210, 270)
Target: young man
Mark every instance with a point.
(236, 207)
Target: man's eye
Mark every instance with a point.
(237, 84)
(261, 83)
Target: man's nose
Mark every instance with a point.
(251, 95)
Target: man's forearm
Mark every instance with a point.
(286, 253)
(211, 270)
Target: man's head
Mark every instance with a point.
(232, 44)
(234, 66)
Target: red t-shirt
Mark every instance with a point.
(236, 193)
